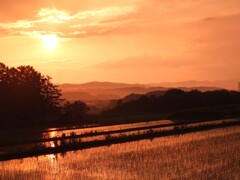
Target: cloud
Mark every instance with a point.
(80, 19)
(54, 21)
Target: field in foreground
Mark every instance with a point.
(210, 154)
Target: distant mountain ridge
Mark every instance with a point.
(97, 85)
(230, 84)
(109, 90)
(226, 84)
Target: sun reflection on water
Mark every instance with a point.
(52, 134)
(53, 162)
(52, 144)
(52, 158)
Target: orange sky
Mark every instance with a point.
(135, 41)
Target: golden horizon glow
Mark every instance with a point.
(50, 41)
(135, 41)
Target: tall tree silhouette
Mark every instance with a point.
(25, 93)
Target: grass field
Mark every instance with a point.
(210, 154)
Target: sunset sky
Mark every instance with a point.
(134, 41)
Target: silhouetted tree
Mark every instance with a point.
(74, 112)
(27, 94)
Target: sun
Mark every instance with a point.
(50, 41)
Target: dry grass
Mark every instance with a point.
(201, 155)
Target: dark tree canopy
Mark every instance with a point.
(176, 99)
(25, 93)
(74, 112)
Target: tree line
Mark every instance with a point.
(175, 99)
(28, 97)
